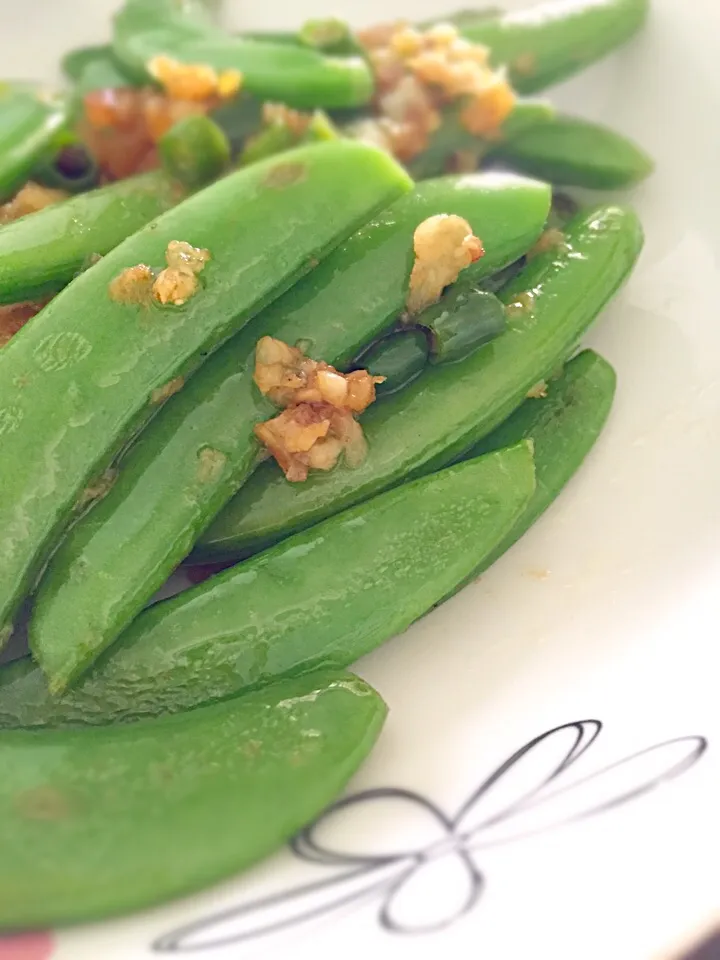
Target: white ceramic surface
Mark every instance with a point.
(608, 610)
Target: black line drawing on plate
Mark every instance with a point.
(529, 793)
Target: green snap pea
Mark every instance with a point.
(73, 169)
(195, 151)
(94, 68)
(41, 253)
(30, 124)
(551, 42)
(446, 410)
(199, 450)
(91, 370)
(564, 427)
(452, 138)
(297, 75)
(576, 153)
(400, 357)
(279, 137)
(322, 598)
(461, 322)
(95, 823)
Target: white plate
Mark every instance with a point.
(606, 613)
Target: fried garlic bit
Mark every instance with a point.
(133, 285)
(30, 199)
(175, 284)
(444, 246)
(318, 423)
(194, 81)
(418, 73)
(179, 281)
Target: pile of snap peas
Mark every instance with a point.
(225, 715)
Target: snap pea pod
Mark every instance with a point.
(449, 408)
(461, 322)
(297, 75)
(73, 169)
(452, 138)
(400, 357)
(94, 68)
(101, 822)
(195, 151)
(30, 123)
(91, 369)
(576, 153)
(199, 450)
(564, 427)
(553, 41)
(279, 137)
(325, 597)
(42, 253)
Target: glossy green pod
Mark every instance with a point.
(80, 380)
(325, 597)
(41, 254)
(463, 320)
(452, 138)
(551, 303)
(550, 42)
(576, 153)
(30, 122)
(94, 68)
(400, 357)
(201, 447)
(297, 75)
(563, 427)
(95, 823)
(195, 151)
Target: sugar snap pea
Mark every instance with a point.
(195, 151)
(41, 254)
(451, 137)
(30, 123)
(577, 153)
(92, 369)
(448, 408)
(94, 68)
(400, 357)
(550, 42)
(253, 623)
(73, 169)
(95, 823)
(200, 449)
(462, 321)
(296, 75)
(563, 426)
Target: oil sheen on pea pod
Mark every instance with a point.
(30, 122)
(552, 41)
(199, 450)
(96, 823)
(551, 303)
(325, 597)
(89, 371)
(563, 426)
(576, 153)
(296, 75)
(41, 254)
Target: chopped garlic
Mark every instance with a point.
(444, 246)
